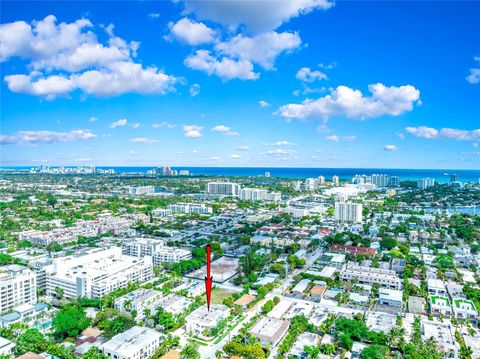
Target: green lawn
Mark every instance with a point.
(219, 294)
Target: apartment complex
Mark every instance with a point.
(189, 208)
(223, 188)
(18, 285)
(95, 272)
(171, 255)
(140, 190)
(141, 247)
(386, 278)
(348, 212)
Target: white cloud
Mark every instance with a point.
(307, 75)
(84, 63)
(264, 103)
(191, 32)
(194, 90)
(474, 76)
(154, 15)
(136, 125)
(164, 124)
(225, 68)
(282, 143)
(280, 152)
(143, 140)
(336, 138)
(390, 148)
(444, 133)
(93, 119)
(225, 130)
(192, 131)
(261, 49)
(215, 158)
(46, 136)
(401, 135)
(235, 156)
(243, 148)
(119, 123)
(257, 16)
(351, 103)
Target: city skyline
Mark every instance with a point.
(309, 84)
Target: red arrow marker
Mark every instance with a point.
(208, 278)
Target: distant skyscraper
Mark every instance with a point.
(267, 174)
(453, 177)
(394, 181)
(311, 184)
(321, 180)
(336, 180)
(166, 171)
(380, 180)
(425, 183)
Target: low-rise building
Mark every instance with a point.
(7, 348)
(390, 297)
(464, 309)
(436, 287)
(386, 278)
(440, 305)
(135, 343)
(303, 340)
(171, 255)
(270, 331)
(138, 301)
(201, 321)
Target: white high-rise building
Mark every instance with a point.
(18, 285)
(321, 180)
(223, 188)
(253, 194)
(380, 180)
(394, 181)
(348, 212)
(267, 174)
(426, 182)
(336, 180)
(311, 184)
(95, 272)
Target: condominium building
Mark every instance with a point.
(253, 194)
(140, 190)
(394, 181)
(170, 255)
(380, 180)
(425, 183)
(321, 180)
(18, 285)
(141, 247)
(199, 208)
(311, 184)
(270, 331)
(135, 343)
(336, 180)
(273, 197)
(95, 272)
(223, 188)
(348, 212)
(386, 278)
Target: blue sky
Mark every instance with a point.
(305, 83)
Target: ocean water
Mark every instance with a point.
(440, 175)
